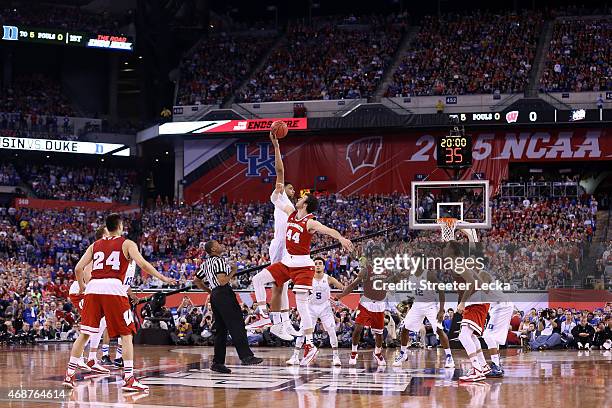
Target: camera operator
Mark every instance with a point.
(583, 334)
(548, 338)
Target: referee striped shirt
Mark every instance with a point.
(211, 267)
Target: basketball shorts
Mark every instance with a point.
(419, 311)
(301, 276)
(499, 322)
(116, 309)
(77, 301)
(475, 316)
(373, 320)
(323, 312)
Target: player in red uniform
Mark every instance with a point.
(77, 297)
(296, 264)
(105, 296)
(372, 305)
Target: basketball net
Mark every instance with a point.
(447, 225)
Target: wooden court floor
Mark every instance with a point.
(179, 377)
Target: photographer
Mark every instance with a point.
(583, 333)
(183, 333)
(548, 338)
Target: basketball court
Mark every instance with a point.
(179, 377)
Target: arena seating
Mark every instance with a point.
(35, 94)
(469, 54)
(218, 65)
(331, 59)
(579, 56)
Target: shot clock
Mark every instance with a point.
(454, 151)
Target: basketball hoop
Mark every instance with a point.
(447, 225)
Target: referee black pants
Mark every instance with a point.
(228, 318)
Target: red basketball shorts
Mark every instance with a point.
(475, 316)
(300, 276)
(373, 320)
(77, 301)
(116, 309)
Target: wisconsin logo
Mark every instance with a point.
(364, 152)
(512, 116)
(256, 163)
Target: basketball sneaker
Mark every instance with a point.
(295, 359)
(118, 362)
(280, 331)
(291, 330)
(353, 359)
(449, 362)
(401, 357)
(380, 359)
(496, 371)
(82, 365)
(472, 376)
(336, 360)
(263, 321)
(69, 381)
(97, 368)
(105, 360)
(486, 369)
(133, 385)
(310, 352)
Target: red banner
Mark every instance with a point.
(61, 205)
(229, 126)
(370, 163)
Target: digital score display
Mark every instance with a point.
(454, 151)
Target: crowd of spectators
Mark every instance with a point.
(36, 95)
(328, 59)
(579, 56)
(9, 175)
(55, 16)
(218, 65)
(477, 53)
(81, 183)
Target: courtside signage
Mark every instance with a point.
(62, 146)
(229, 126)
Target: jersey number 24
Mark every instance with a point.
(112, 260)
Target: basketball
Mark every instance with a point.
(279, 129)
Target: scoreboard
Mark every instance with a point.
(532, 117)
(454, 151)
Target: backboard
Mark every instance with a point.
(466, 200)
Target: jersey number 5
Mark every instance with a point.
(112, 261)
(295, 238)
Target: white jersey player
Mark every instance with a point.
(127, 283)
(320, 308)
(427, 304)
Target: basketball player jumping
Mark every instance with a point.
(105, 296)
(78, 298)
(425, 306)
(296, 264)
(372, 305)
(279, 306)
(320, 308)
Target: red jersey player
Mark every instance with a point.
(105, 296)
(296, 264)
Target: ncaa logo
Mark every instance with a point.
(10, 33)
(256, 163)
(512, 116)
(363, 152)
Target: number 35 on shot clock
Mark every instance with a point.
(454, 151)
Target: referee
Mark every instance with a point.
(225, 308)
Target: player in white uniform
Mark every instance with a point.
(320, 308)
(496, 331)
(427, 304)
(127, 283)
(279, 303)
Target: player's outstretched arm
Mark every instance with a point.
(80, 267)
(133, 252)
(353, 285)
(334, 282)
(278, 165)
(432, 278)
(314, 225)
